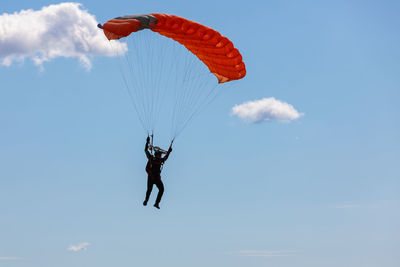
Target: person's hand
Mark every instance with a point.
(148, 139)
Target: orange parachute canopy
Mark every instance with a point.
(214, 50)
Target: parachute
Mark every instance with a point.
(157, 69)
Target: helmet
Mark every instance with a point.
(158, 150)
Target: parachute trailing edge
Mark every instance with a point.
(214, 50)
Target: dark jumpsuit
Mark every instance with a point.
(153, 169)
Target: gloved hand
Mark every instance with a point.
(148, 139)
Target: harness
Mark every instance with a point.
(150, 165)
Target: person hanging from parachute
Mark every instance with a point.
(153, 168)
(158, 70)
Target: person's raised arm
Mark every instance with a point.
(168, 152)
(146, 148)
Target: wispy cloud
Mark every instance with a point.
(265, 253)
(266, 110)
(81, 246)
(375, 204)
(60, 30)
(347, 206)
(10, 258)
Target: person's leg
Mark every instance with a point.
(148, 192)
(160, 187)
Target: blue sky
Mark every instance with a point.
(321, 190)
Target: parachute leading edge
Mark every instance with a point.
(214, 50)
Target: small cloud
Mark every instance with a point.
(266, 110)
(60, 30)
(265, 253)
(10, 258)
(347, 206)
(82, 246)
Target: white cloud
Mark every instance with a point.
(81, 246)
(10, 258)
(347, 206)
(61, 30)
(265, 110)
(265, 253)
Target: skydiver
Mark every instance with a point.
(153, 169)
